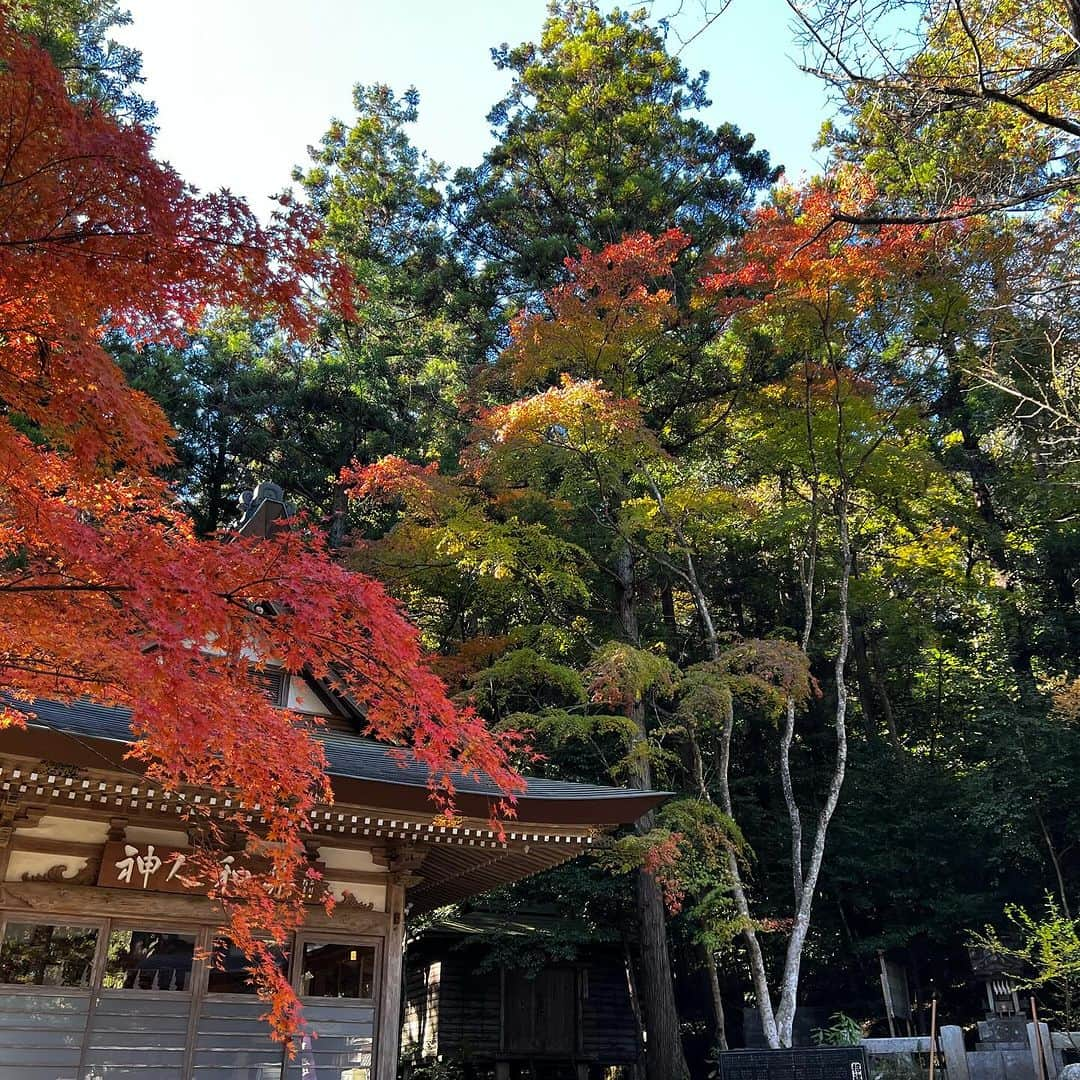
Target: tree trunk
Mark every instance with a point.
(877, 681)
(873, 696)
(339, 517)
(215, 483)
(777, 1024)
(758, 974)
(1055, 861)
(738, 888)
(708, 961)
(862, 677)
(664, 1057)
(785, 1014)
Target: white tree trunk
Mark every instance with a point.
(753, 946)
(807, 576)
(785, 1014)
(777, 1023)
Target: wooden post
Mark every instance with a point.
(886, 991)
(1045, 1066)
(1040, 1063)
(389, 1034)
(933, 1035)
(6, 836)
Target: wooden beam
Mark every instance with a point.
(76, 849)
(48, 898)
(102, 795)
(358, 877)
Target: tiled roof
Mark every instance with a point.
(348, 756)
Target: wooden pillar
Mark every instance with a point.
(389, 1035)
(7, 834)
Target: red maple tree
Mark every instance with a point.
(104, 589)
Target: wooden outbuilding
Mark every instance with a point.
(565, 1020)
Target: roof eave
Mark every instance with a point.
(596, 811)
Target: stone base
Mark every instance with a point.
(1000, 1064)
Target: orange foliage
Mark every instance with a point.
(98, 235)
(661, 861)
(104, 589)
(423, 487)
(795, 252)
(611, 309)
(471, 656)
(578, 416)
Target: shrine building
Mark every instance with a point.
(99, 973)
(105, 953)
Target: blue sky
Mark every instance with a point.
(244, 86)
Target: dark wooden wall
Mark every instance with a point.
(579, 1012)
(609, 1029)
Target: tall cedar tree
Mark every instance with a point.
(596, 140)
(247, 400)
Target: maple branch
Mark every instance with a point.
(14, 588)
(31, 667)
(955, 213)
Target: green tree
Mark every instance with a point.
(805, 455)
(597, 139)
(388, 382)
(1045, 951)
(96, 68)
(945, 98)
(217, 393)
(246, 399)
